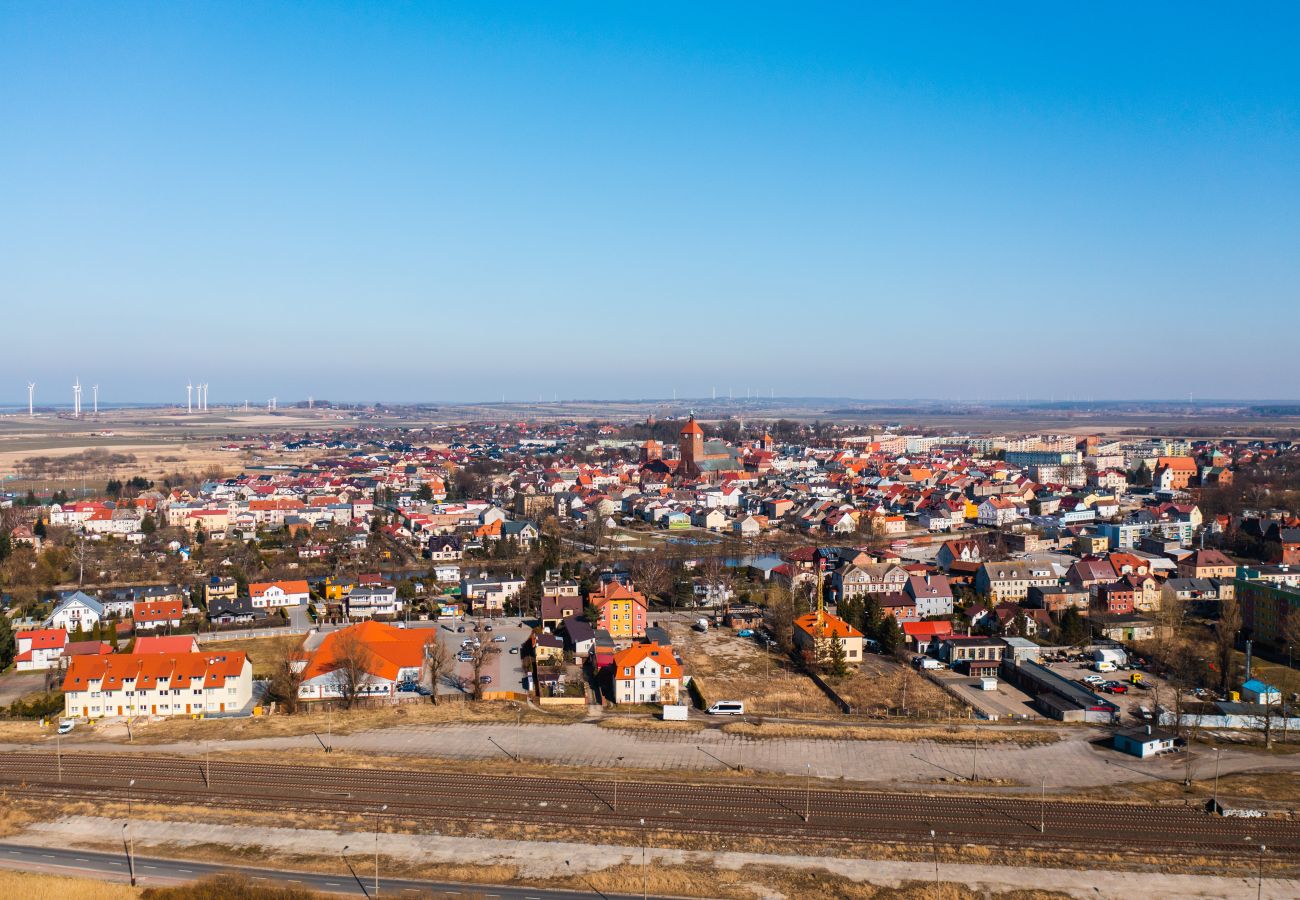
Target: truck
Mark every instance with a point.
(1117, 658)
(926, 662)
(701, 624)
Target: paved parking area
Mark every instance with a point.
(505, 668)
(1007, 702)
(1132, 699)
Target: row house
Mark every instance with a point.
(157, 684)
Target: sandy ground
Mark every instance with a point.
(539, 860)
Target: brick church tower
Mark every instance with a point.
(690, 446)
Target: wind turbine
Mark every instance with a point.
(189, 397)
(94, 393)
(76, 398)
(204, 405)
(31, 392)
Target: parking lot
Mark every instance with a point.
(505, 668)
(1144, 694)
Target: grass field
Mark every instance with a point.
(28, 886)
(263, 653)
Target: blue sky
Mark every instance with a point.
(451, 201)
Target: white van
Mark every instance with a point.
(1102, 665)
(727, 708)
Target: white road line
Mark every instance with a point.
(46, 856)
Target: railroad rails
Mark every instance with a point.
(753, 811)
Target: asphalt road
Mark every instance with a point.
(358, 883)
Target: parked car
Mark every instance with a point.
(1094, 679)
(464, 657)
(65, 727)
(499, 639)
(485, 679)
(461, 629)
(745, 632)
(514, 649)
(487, 628)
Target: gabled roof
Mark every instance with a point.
(211, 670)
(389, 650)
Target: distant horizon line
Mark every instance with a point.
(12, 407)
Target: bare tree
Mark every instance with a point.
(780, 617)
(1225, 639)
(286, 678)
(651, 574)
(350, 666)
(478, 655)
(437, 659)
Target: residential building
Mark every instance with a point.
(157, 684)
(152, 615)
(622, 611)
(1207, 564)
(932, 595)
(813, 633)
(39, 649)
(274, 594)
(76, 610)
(647, 673)
(1012, 579)
(367, 601)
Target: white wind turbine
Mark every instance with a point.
(76, 398)
(189, 397)
(94, 395)
(205, 396)
(31, 392)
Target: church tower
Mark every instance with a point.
(690, 447)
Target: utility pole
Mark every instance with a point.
(807, 799)
(1217, 752)
(616, 759)
(382, 809)
(1042, 815)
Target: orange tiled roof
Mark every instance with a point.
(210, 670)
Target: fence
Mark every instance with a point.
(844, 705)
(696, 690)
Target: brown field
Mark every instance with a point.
(947, 734)
(263, 653)
(882, 683)
(342, 721)
(732, 668)
(27, 886)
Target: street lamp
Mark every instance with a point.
(934, 844)
(645, 877)
(1259, 886)
(382, 809)
(1042, 815)
(130, 840)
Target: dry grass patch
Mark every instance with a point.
(351, 721)
(629, 723)
(949, 734)
(884, 683)
(23, 731)
(263, 653)
(27, 886)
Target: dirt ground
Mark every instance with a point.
(882, 683)
(735, 668)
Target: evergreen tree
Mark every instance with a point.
(834, 659)
(889, 634)
(7, 643)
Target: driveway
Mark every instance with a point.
(19, 684)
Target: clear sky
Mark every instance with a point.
(447, 201)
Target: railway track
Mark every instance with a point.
(734, 810)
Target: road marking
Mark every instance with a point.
(47, 856)
(185, 870)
